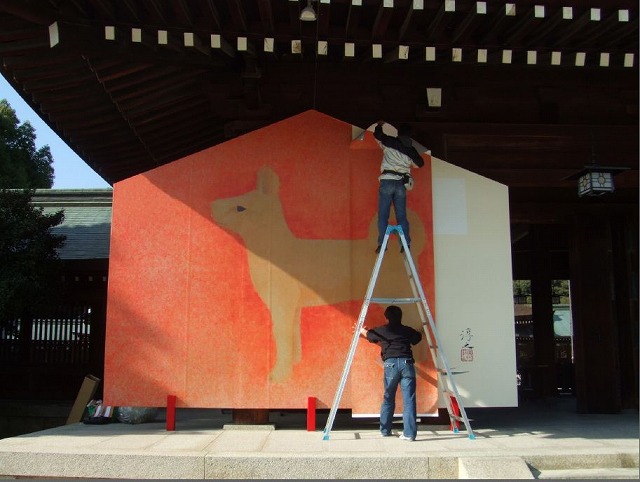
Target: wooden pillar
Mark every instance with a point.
(97, 339)
(544, 375)
(597, 369)
(250, 416)
(624, 234)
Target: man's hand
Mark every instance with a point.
(363, 330)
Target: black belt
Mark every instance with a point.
(405, 358)
(394, 173)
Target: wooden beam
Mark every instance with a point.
(324, 18)
(91, 129)
(576, 27)
(154, 119)
(179, 101)
(109, 73)
(353, 21)
(247, 49)
(183, 80)
(416, 7)
(56, 71)
(104, 8)
(438, 24)
(621, 32)
(503, 15)
(183, 12)
(475, 14)
(211, 12)
(143, 99)
(155, 7)
(239, 19)
(401, 52)
(76, 84)
(266, 16)
(131, 7)
(219, 43)
(39, 14)
(19, 48)
(541, 37)
(193, 41)
(522, 27)
(383, 17)
(294, 16)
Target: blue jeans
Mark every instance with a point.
(392, 192)
(399, 371)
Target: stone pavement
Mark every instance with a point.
(537, 440)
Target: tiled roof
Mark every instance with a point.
(87, 220)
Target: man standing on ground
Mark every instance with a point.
(398, 155)
(395, 340)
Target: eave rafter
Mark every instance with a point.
(131, 9)
(158, 79)
(353, 21)
(439, 22)
(238, 16)
(104, 9)
(211, 13)
(266, 16)
(383, 17)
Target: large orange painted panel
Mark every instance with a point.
(237, 273)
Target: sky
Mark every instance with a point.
(70, 171)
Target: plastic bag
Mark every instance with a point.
(97, 413)
(136, 414)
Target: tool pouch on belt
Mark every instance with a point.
(406, 178)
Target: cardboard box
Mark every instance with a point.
(87, 390)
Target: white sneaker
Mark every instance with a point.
(403, 437)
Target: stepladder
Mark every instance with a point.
(448, 391)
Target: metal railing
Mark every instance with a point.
(61, 337)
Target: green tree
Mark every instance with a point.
(29, 263)
(560, 289)
(522, 287)
(22, 166)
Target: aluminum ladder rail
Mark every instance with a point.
(446, 382)
(449, 390)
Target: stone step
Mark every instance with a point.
(493, 468)
(594, 474)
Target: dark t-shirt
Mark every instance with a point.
(401, 144)
(395, 340)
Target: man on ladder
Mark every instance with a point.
(395, 340)
(398, 156)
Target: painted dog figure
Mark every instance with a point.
(290, 273)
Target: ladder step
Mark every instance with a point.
(395, 301)
(460, 418)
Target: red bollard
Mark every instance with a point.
(456, 412)
(311, 414)
(171, 413)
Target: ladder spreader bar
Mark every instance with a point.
(395, 300)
